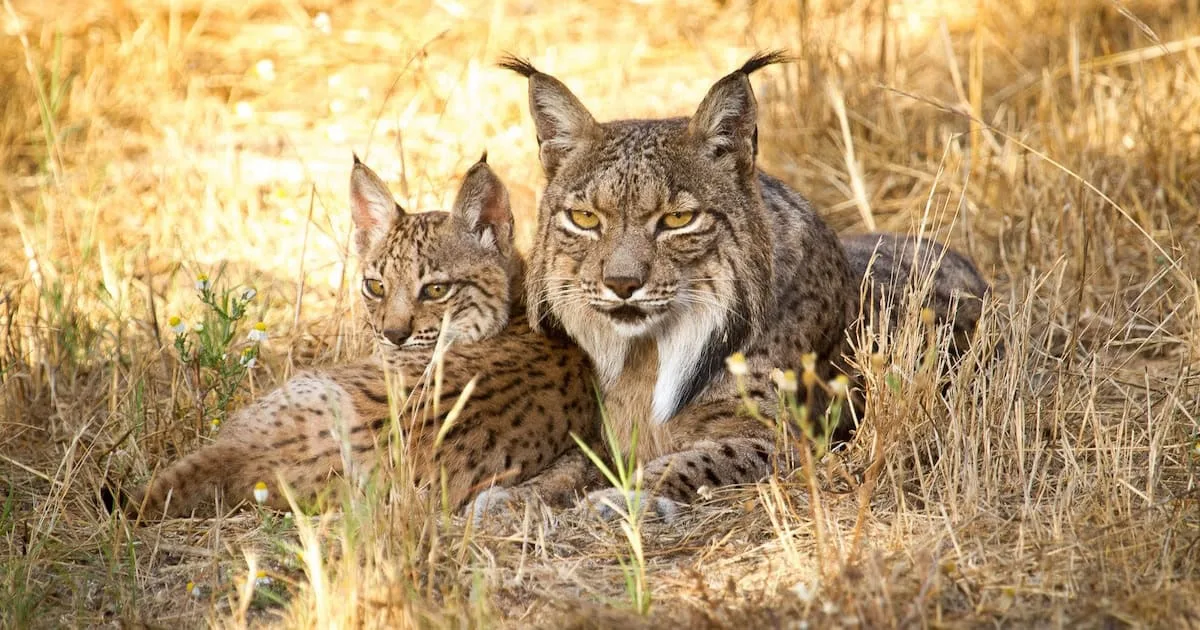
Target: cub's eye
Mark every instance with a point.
(372, 288)
(584, 219)
(435, 291)
(677, 219)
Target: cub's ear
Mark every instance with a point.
(725, 126)
(482, 207)
(562, 122)
(372, 207)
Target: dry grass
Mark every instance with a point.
(142, 142)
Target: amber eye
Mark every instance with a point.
(372, 288)
(584, 219)
(435, 291)
(677, 219)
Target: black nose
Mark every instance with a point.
(623, 286)
(397, 335)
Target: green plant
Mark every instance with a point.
(215, 356)
(626, 475)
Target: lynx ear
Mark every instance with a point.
(561, 120)
(726, 123)
(372, 207)
(482, 207)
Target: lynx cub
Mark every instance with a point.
(419, 270)
(662, 249)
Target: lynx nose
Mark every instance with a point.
(623, 286)
(397, 335)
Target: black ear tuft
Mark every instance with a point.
(520, 65)
(763, 59)
(563, 124)
(356, 160)
(483, 158)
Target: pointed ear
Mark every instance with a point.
(372, 207)
(482, 207)
(561, 120)
(725, 126)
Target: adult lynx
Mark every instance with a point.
(662, 250)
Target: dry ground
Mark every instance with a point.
(145, 142)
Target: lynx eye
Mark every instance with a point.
(584, 219)
(677, 219)
(435, 291)
(372, 288)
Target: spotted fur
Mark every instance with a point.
(896, 266)
(531, 391)
(659, 303)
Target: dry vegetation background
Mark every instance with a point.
(144, 142)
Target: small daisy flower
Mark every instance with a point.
(265, 69)
(249, 294)
(261, 494)
(736, 363)
(803, 592)
(840, 386)
(215, 423)
(785, 380)
(322, 23)
(258, 332)
(202, 282)
(262, 579)
(198, 327)
(248, 359)
(808, 361)
(336, 133)
(809, 378)
(193, 589)
(176, 324)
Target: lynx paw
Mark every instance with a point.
(491, 502)
(612, 503)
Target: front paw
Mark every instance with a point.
(492, 502)
(612, 503)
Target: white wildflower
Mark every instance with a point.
(840, 386)
(248, 359)
(265, 69)
(736, 363)
(785, 380)
(803, 592)
(202, 283)
(261, 494)
(322, 23)
(259, 332)
(176, 324)
(262, 579)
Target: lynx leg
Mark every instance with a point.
(718, 444)
(556, 486)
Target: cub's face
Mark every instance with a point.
(435, 274)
